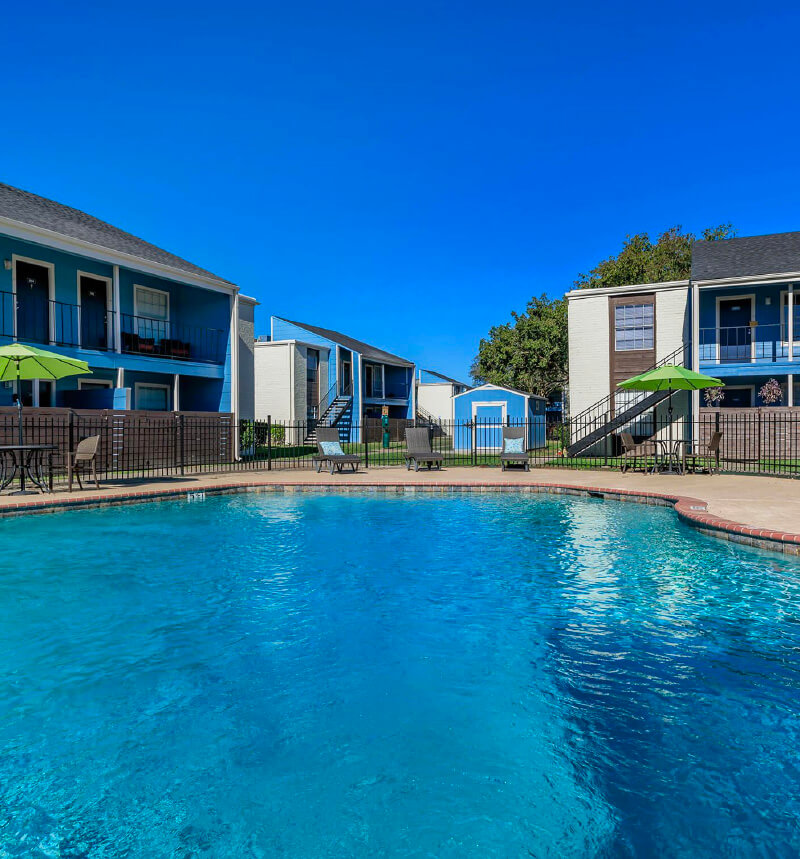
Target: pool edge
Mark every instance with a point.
(692, 511)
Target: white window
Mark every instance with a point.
(92, 384)
(151, 307)
(152, 397)
(633, 327)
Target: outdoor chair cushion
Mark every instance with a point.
(331, 448)
(514, 445)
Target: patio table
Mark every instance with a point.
(671, 459)
(25, 460)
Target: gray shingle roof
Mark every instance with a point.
(446, 378)
(372, 353)
(36, 211)
(747, 256)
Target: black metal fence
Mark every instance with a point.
(757, 441)
(138, 445)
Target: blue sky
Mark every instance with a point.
(408, 173)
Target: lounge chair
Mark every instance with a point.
(706, 458)
(515, 451)
(418, 449)
(83, 457)
(330, 452)
(638, 455)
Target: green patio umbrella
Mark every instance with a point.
(18, 362)
(670, 378)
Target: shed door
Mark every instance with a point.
(489, 419)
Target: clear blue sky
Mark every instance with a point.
(407, 172)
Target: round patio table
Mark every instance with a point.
(25, 460)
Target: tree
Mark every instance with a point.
(643, 261)
(529, 353)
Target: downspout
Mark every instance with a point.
(235, 370)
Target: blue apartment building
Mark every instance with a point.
(745, 319)
(339, 381)
(158, 332)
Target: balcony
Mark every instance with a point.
(748, 344)
(57, 323)
(144, 336)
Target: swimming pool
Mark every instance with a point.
(371, 675)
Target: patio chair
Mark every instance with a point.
(706, 457)
(330, 452)
(418, 449)
(83, 457)
(514, 450)
(638, 454)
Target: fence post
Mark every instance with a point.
(179, 428)
(269, 442)
(71, 433)
(366, 443)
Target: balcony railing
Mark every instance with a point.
(165, 339)
(57, 323)
(748, 344)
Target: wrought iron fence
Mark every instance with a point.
(138, 445)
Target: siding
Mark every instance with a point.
(272, 374)
(247, 379)
(672, 321)
(588, 351)
(437, 399)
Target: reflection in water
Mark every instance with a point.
(365, 676)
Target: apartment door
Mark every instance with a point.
(735, 332)
(33, 302)
(312, 384)
(94, 315)
(347, 374)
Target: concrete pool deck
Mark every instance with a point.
(759, 511)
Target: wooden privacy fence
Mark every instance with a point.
(132, 443)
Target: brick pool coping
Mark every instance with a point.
(693, 511)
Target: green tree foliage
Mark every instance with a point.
(530, 352)
(642, 260)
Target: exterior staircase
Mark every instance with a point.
(335, 409)
(425, 418)
(601, 419)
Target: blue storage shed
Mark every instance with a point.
(481, 413)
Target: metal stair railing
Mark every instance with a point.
(602, 418)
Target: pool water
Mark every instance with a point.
(367, 675)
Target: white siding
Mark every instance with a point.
(672, 321)
(437, 399)
(272, 381)
(590, 338)
(589, 369)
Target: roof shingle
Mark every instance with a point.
(748, 256)
(370, 352)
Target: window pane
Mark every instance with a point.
(152, 398)
(633, 327)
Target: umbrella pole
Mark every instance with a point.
(19, 407)
(669, 417)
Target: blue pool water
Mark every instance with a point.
(319, 676)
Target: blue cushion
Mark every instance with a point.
(514, 445)
(331, 448)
